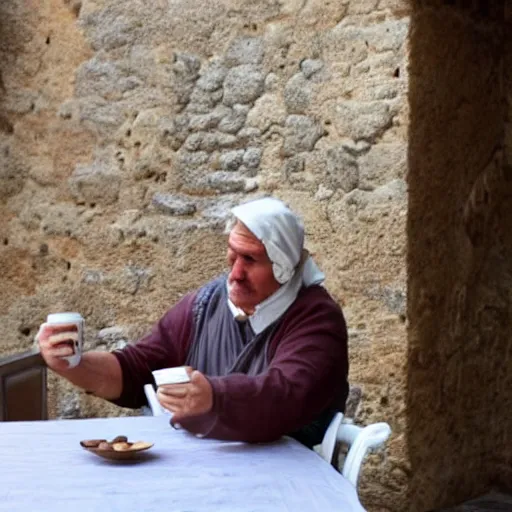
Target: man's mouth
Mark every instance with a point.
(237, 287)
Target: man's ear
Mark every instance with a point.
(281, 274)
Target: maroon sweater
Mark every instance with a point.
(306, 374)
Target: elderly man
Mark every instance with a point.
(267, 344)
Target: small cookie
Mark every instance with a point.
(120, 439)
(92, 443)
(140, 445)
(121, 447)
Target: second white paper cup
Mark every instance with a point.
(176, 375)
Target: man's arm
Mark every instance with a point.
(306, 375)
(166, 346)
(119, 376)
(98, 372)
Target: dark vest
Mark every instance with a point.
(221, 344)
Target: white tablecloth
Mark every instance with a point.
(43, 468)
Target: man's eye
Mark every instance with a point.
(249, 259)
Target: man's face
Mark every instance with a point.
(250, 280)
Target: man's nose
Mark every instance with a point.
(238, 270)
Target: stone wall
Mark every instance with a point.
(128, 129)
(459, 252)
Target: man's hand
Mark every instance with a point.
(188, 399)
(52, 349)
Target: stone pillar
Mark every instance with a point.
(459, 253)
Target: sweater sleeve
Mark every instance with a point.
(166, 346)
(307, 374)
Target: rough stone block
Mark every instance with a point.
(252, 157)
(231, 160)
(268, 110)
(200, 140)
(204, 122)
(218, 211)
(191, 160)
(172, 204)
(212, 77)
(293, 165)
(225, 140)
(310, 67)
(13, 173)
(302, 133)
(323, 193)
(186, 66)
(109, 28)
(382, 163)
(62, 219)
(130, 280)
(249, 136)
(228, 182)
(107, 79)
(100, 115)
(362, 120)
(243, 84)
(173, 132)
(94, 184)
(245, 50)
(111, 338)
(202, 102)
(297, 94)
(342, 170)
(235, 120)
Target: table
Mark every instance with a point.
(43, 468)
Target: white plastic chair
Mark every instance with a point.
(359, 439)
(154, 404)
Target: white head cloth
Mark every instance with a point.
(282, 234)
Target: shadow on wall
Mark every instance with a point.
(459, 252)
(6, 127)
(12, 40)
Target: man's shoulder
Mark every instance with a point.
(315, 294)
(204, 295)
(315, 300)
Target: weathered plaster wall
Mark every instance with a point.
(127, 129)
(459, 252)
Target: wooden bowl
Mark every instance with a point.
(116, 450)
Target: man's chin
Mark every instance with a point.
(238, 299)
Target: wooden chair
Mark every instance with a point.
(23, 394)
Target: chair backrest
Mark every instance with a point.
(358, 439)
(23, 387)
(326, 449)
(154, 404)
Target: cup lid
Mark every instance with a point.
(63, 318)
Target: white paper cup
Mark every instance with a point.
(176, 375)
(74, 336)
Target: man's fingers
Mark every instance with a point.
(48, 332)
(42, 333)
(170, 404)
(62, 351)
(196, 377)
(174, 390)
(177, 418)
